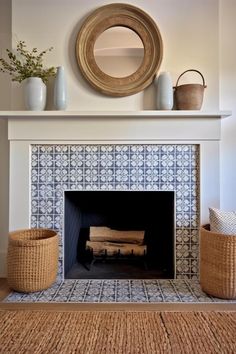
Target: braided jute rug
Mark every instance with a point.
(117, 332)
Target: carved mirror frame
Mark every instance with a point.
(127, 16)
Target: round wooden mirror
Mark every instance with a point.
(118, 51)
(109, 17)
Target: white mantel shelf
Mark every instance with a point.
(113, 126)
(114, 114)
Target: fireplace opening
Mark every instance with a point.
(119, 234)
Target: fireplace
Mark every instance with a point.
(56, 151)
(149, 212)
(60, 169)
(52, 153)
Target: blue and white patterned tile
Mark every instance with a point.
(45, 206)
(61, 175)
(152, 176)
(58, 223)
(194, 222)
(121, 291)
(75, 187)
(45, 175)
(76, 175)
(56, 168)
(108, 291)
(184, 291)
(194, 252)
(45, 221)
(34, 191)
(152, 161)
(106, 187)
(34, 160)
(121, 161)
(79, 291)
(91, 177)
(167, 187)
(194, 236)
(91, 187)
(34, 149)
(136, 187)
(136, 175)
(91, 161)
(122, 187)
(169, 292)
(183, 251)
(167, 176)
(58, 207)
(58, 189)
(199, 294)
(194, 267)
(34, 175)
(34, 221)
(107, 175)
(137, 291)
(137, 158)
(45, 160)
(61, 160)
(183, 266)
(153, 290)
(45, 191)
(182, 236)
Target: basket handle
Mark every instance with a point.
(203, 80)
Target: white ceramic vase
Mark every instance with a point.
(60, 89)
(35, 94)
(164, 91)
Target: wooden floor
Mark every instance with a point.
(4, 291)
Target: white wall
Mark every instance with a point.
(189, 30)
(4, 195)
(228, 100)
(5, 42)
(5, 95)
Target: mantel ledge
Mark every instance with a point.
(114, 114)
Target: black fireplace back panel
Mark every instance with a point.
(151, 211)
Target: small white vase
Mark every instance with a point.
(164, 91)
(60, 89)
(35, 94)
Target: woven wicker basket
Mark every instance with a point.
(218, 263)
(32, 259)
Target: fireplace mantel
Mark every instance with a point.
(27, 128)
(145, 126)
(118, 114)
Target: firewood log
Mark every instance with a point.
(112, 249)
(105, 234)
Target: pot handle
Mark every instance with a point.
(203, 80)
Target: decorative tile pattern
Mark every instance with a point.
(56, 168)
(120, 291)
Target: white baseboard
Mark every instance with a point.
(3, 264)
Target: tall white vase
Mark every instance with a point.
(35, 94)
(60, 89)
(164, 91)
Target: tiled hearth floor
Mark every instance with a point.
(119, 291)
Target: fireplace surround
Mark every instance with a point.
(165, 151)
(166, 167)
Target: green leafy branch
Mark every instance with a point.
(25, 63)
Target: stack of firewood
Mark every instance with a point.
(109, 242)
